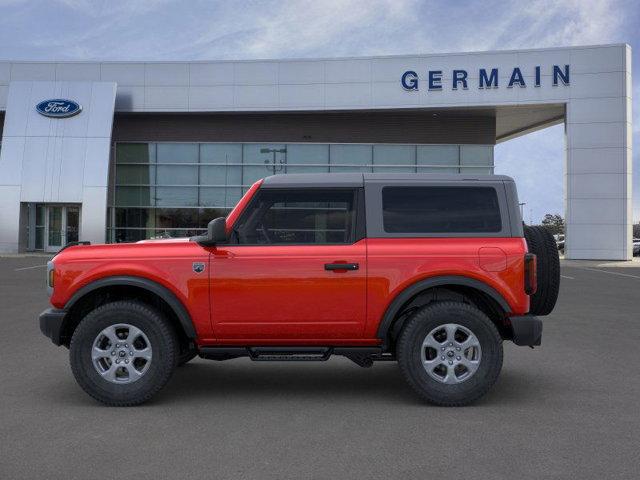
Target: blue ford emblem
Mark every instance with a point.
(58, 108)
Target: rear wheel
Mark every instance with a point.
(450, 353)
(123, 353)
(541, 243)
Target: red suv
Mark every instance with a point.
(433, 271)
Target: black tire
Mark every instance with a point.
(185, 357)
(542, 244)
(164, 347)
(409, 353)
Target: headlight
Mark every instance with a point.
(50, 277)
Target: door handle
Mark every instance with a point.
(341, 266)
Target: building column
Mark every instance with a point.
(93, 216)
(9, 217)
(598, 200)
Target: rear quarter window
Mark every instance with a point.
(441, 209)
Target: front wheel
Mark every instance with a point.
(185, 357)
(123, 353)
(450, 353)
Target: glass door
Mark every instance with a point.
(72, 224)
(54, 229)
(60, 225)
(39, 225)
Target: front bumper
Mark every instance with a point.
(527, 330)
(51, 321)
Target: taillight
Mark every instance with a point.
(530, 274)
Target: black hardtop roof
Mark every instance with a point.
(359, 179)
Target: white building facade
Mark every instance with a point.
(118, 151)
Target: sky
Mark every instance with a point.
(251, 29)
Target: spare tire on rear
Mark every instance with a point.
(542, 244)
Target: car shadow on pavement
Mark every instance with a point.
(237, 380)
(382, 382)
(243, 378)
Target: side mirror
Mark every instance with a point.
(216, 233)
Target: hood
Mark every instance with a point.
(144, 248)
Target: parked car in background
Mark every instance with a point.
(559, 238)
(636, 247)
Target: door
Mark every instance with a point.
(294, 270)
(62, 225)
(54, 229)
(72, 224)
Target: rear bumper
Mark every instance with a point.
(51, 321)
(527, 330)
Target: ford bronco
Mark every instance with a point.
(431, 271)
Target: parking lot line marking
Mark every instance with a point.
(29, 268)
(567, 276)
(611, 273)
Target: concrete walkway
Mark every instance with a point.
(635, 263)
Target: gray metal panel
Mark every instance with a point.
(515, 218)
(373, 195)
(309, 180)
(427, 178)
(358, 179)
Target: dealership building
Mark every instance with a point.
(124, 151)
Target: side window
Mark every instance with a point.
(298, 217)
(441, 210)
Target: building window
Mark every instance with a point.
(439, 159)
(351, 158)
(303, 158)
(394, 158)
(174, 189)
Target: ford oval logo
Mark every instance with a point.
(58, 108)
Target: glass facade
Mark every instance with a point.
(175, 189)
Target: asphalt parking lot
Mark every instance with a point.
(569, 409)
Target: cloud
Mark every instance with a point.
(546, 23)
(249, 29)
(161, 29)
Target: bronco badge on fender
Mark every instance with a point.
(198, 267)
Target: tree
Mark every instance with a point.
(554, 223)
(636, 230)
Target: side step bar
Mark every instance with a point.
(363, 356)
(299, 354)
